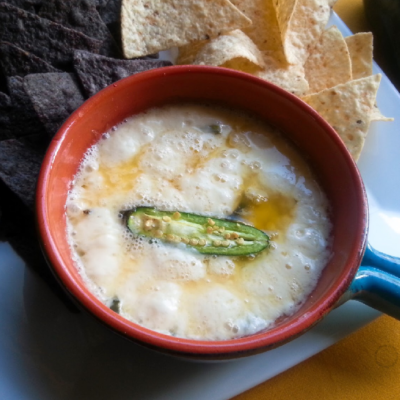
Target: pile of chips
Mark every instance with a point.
(54, 54)
(283, 41)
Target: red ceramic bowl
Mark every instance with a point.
(316, 140)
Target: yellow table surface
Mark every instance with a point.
(365, 365)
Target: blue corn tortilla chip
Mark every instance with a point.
(23, 119)
(110, 11)
(54, 97)
(19, 169)
(17, 227)
(97, 72)
(18, 62)
(46, 39)
(5, 108)
(82, 16)
(28, 5)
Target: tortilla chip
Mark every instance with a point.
(54, 97)
(348, 108)
(301, 23)
(23, 118)
(27, 5)
(264, 30)
(5, 107)
(174, 23)
(15, 61)
(110, 12)
(48, 40)
(288, 77)
(228, 47)
(376, 115)
(188, 52)
(360, 48)
(82, 16)
(19, 169)
(97, 72)
(329, 62)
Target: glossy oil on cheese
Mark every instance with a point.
(169, 158)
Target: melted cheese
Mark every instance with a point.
(167, 158)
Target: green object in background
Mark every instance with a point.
(206, 235)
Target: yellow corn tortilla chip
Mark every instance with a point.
(376, 115)
(301, 23)
(348, 108)
(188, 52)
(360, 48)
(150, 26)
(329, 61)
(265, 33)
(288, 77)
(227, 48)
(264, 30)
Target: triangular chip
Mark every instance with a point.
(348, 108)
(23, 119)
(301, 23)
(148, 27)
(5, 107)
(376, 115)
(360, 48)
(48, 40)
(54, 97)
(234, 47)
(264, 30)
(188, 53)
(15, 61)
(288, 77)
(19, 169)
(97, 72)
(329, 62)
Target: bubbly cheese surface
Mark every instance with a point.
(172, 158)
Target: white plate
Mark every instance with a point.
(46, 352)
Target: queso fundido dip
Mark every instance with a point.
(214, 162)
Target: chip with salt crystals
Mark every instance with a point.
(348, 108)
(96, 72)
(234, 47)
(301, 23)
(148, 28)
(16, 61)
(360, 48)
(329, 61)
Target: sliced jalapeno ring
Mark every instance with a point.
(205, 234)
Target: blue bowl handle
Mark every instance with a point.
(377, 282)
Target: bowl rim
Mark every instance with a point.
(252, 343)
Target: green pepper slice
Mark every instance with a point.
(207, 235)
